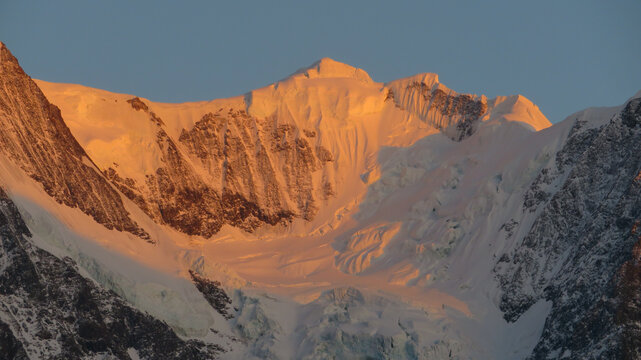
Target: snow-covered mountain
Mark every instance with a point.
(323, 216)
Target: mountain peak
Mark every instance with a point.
(8, 63)
(330, 68)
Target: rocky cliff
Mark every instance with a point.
(582, 252)
(35, 137)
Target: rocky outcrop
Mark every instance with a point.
(35, 137)
(214, 293)
(465, 108)
(582, 250)
(550, 179)
(455, 114)
(49, 311)
(463, 105)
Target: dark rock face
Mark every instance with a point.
(631, 115)
(138, 104)
(35, 138)
(10, 347)
(213, 293)
(463, 107)
(248, 156)
(627, 303)
(448, 105)
(58, 314)
(582, 252)
(549, 180)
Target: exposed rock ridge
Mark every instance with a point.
(582, 251)
(213, 293)
(455, 114)
(35, 137)
(49, 311)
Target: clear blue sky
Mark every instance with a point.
(564, 55)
